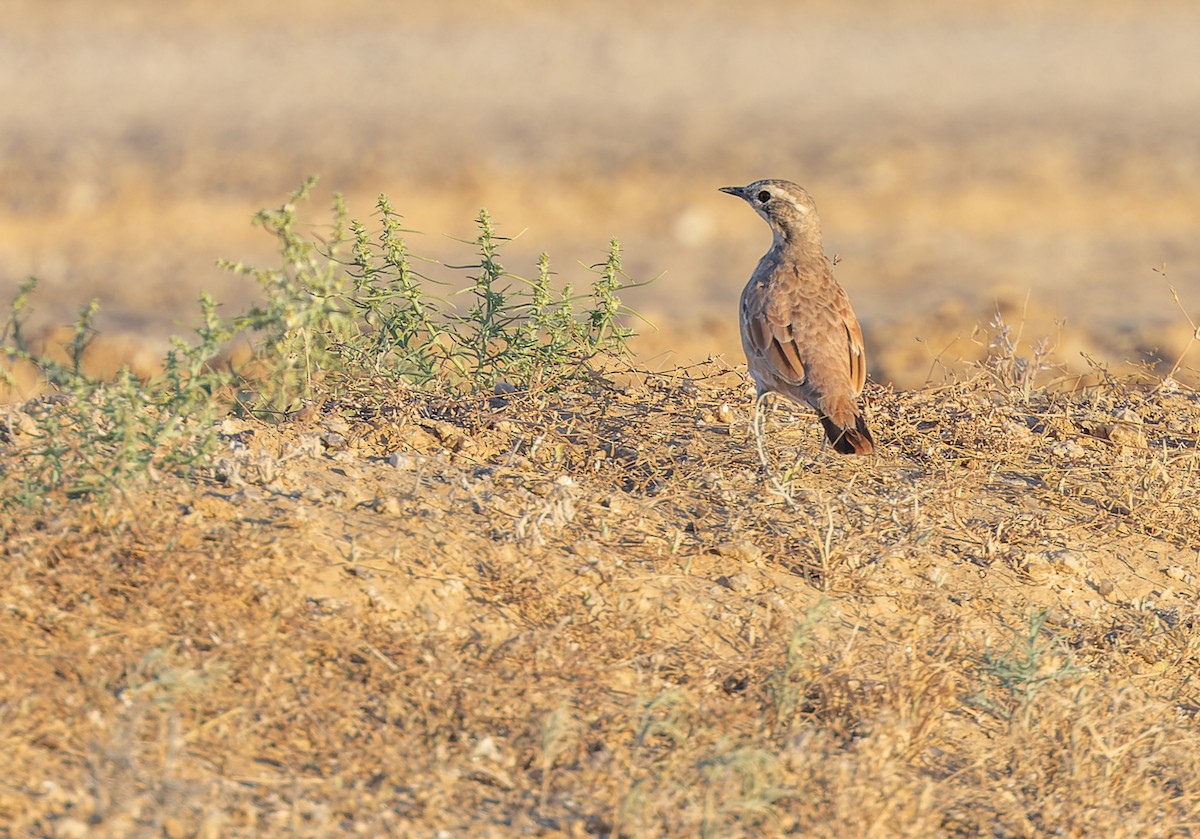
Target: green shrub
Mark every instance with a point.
(92, 438)
(359, 303)
(337, 311)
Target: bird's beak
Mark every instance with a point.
(739, 191)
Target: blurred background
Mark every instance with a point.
(965, 156)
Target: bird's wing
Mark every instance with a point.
(795, 329)
(858, 356)
(769, 328)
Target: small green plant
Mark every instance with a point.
(15, 344)
(354, 304)
(1013, 678)
(742, 786)
(93, 437)
(306, 309)
(518, 329)
(664, 725)
(665, 717)
(337, 311)
(558, 732)
(787, 685)
(399, 314)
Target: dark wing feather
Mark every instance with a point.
(774, 343)
(858, 357)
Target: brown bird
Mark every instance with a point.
(799, 332)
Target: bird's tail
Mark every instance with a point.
(847, 440)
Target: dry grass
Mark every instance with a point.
(587, 613)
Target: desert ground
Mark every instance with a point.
(589, 610)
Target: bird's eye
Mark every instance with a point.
(764, 197)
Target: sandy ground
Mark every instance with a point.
(589, 611)
(961, 159)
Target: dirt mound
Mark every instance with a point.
(590, 612)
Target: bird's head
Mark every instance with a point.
(786, 206)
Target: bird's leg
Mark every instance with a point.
(759, 430)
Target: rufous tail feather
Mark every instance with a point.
(855, 440)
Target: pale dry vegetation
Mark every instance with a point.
(388, 548)
(579, 608)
